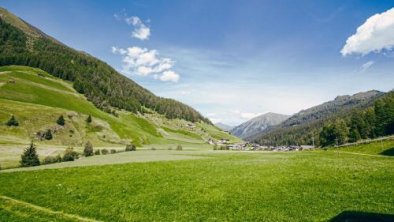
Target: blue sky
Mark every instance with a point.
(231, 60)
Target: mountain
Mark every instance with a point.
(258, 124)
(305, 125)
(223, 126)
(35, 99)
(41, 79)
(23, 44)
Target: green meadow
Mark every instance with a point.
(37, 99)
(205, 186)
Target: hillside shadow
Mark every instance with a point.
(357, 216)
(388, 152)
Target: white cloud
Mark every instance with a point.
(375, 35)
(367, 65)
(169, 76)
(141, 30)
(143, 62)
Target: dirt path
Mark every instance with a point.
(121, 158)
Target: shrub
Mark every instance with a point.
(12, 121)
(215, 147)
(153, 148)
(48, 135)
(88, 150)
(97, 152)
(104, 151)
(131, 147)
(89, 119)
(61, 120)
(113, 151)
(223, 148)
(30, 157)
(179, 147)
(52, 159)
(169, 148)
(70, 154)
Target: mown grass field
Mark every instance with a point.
(221, 186)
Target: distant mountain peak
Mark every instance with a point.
(258, 124)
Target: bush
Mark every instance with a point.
(88, 150)
(104, 151)
(169, 148)
(30, 157)
(223, 148)
(179, 147)
(215, 147)
(48, 135)
(70, 155)
(153, 148)
(52, 159)
(61, 120)
(89, 119)
(12, 121)
(113, 151)
(97, 152)
(131, 147)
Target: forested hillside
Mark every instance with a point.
(22, 44)
(307, 126)
(375, 121)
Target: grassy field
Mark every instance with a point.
(384, 147)
(37, 99)
(217, 186)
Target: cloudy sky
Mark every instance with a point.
(231, 59)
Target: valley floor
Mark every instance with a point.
(212, 185)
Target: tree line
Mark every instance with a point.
(369, 122)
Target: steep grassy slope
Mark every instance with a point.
(248, 186)
(23, 44)
(37, 99)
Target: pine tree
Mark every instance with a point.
(30, 157)
(88, 150)
(60, 120)
(48, 135)
(89, 119)
(12, 121)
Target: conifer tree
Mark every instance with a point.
(88, 150)
(48, 135)
(89, 119)
(12, 121)
(30, 156)
(61, 120)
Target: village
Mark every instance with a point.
(224, 144)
